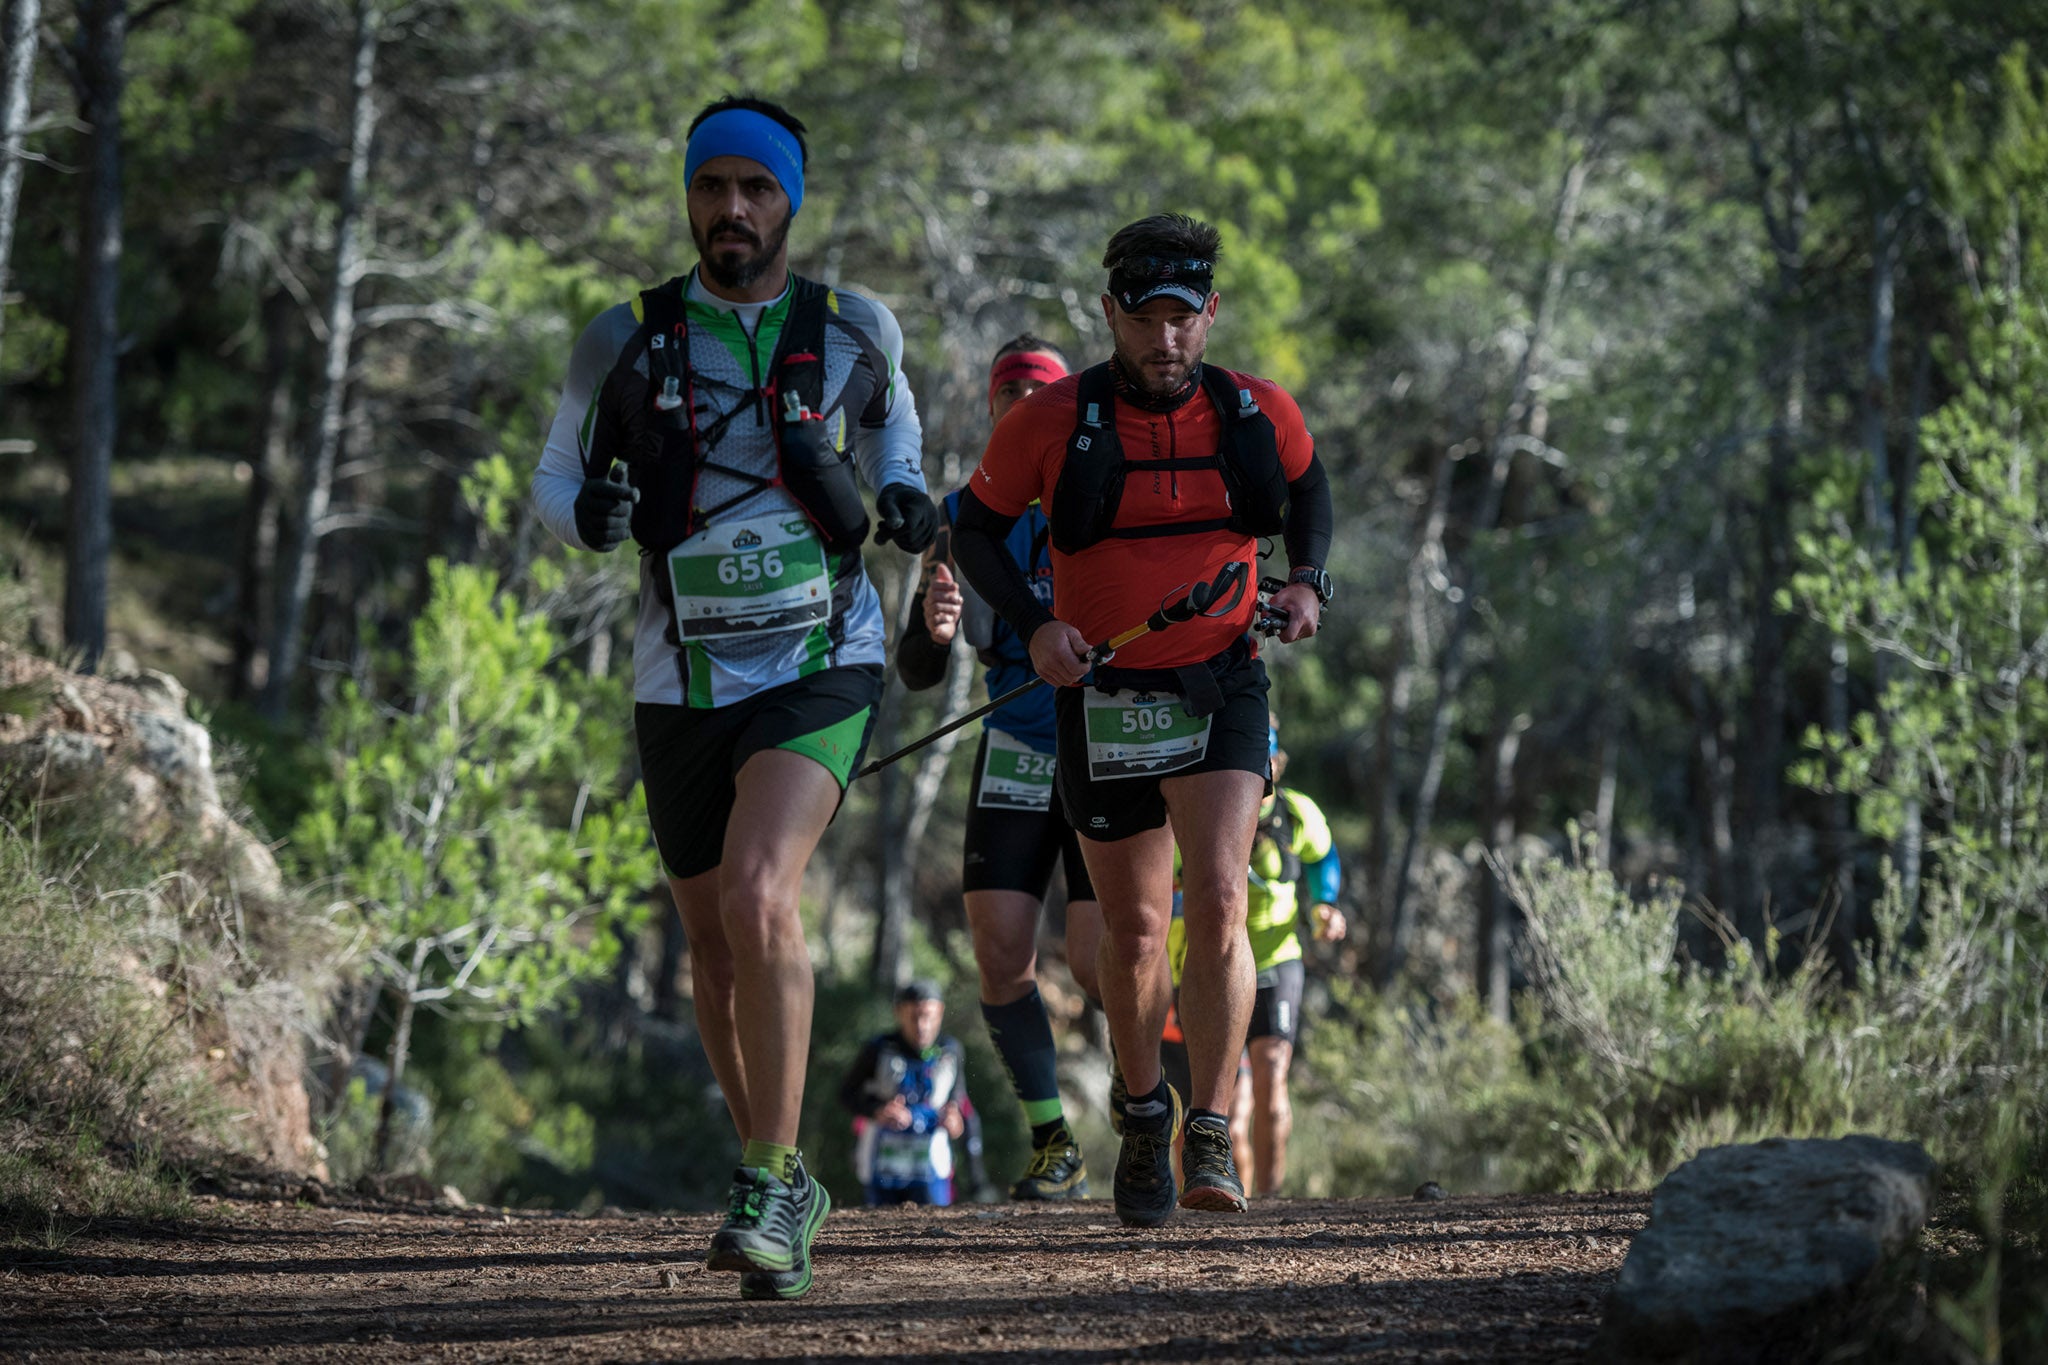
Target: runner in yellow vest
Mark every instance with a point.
(1292, 852)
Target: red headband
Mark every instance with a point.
(1023, 365)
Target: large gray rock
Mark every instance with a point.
(52, 763)
(1769, 1252)
(180, 753)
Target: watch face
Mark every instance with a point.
(1317, 581)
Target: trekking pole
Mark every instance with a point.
(1200, 600)
(1268, 619)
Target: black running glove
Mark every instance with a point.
(604, 512)
(906, 516)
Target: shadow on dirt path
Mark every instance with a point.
(1516, 1279)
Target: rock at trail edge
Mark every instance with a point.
(1769, 1251)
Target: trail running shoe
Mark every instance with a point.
(1212, 1181)
(1144, 1166)
(778, 1284)
(769, 1225)
(1056, 1171)
(1119, 1094)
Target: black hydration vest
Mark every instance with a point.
(819, 477)
(1091, 483)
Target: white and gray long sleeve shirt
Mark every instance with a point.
(867, 399)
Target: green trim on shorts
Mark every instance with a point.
(836, 746)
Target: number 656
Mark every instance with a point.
(751, 567)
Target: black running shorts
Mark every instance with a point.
(690, 755)
(1120, 799)
(1011, 847)
(1276, 1008)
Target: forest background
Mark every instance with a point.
(1682, 373)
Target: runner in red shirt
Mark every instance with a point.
(1156, 472)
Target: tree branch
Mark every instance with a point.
(150, 11)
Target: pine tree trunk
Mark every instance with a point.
(453, 450)
(256, 541)
(1383, 854)
(1782, 201)
(1841, 849)
(316, 489)
(354, 1005)
(931, 769)
(23, 18)
(889, 963)
(1879, 532)
(1716, 742)
(1907, 848)
(400, 1054)
(902, 839)
(1603, 796)
(95, 332)
(1451, 668)
(1496, 908)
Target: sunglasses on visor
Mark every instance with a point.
(1158, 268)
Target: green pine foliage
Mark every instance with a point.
(474, 827)
(475, 820)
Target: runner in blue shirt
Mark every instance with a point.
(1016, 830)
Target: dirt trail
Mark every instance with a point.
(1465, 1279)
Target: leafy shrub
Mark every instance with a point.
(1627, 1059)
(1387, 1097)
(476, 818)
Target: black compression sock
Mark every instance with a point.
(1042, 1133)
(1220, 1120)
(1150, 1110)
(1023, 1038)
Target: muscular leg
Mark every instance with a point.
(1084, 941)
(711, 988)
(1004, 926)
(1214, 815)
(783, 805)
(1272, 1114)
(1134, 883)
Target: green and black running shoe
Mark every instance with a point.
(1056, 1171)
(778, 1284)
(1212, 1181)
(1144, 1166)
(769, 1225)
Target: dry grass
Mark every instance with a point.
(139, 996)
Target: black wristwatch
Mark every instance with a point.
(1318, 582)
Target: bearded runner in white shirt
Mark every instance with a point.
(720, 420)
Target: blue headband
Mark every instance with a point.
(742, 132)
